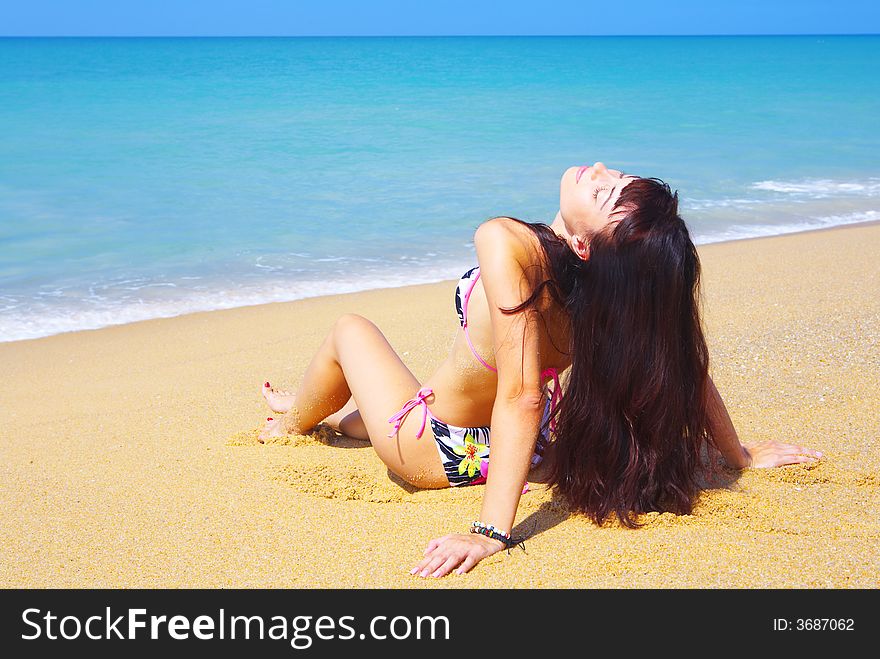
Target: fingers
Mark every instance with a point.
(777, 454)
(788, 459)
(418, 569)
(434, 564)
(784, 446)
(792, 454)
(431, 553)
(451, 555)
(446, 567)
(466, 565)
(793, 448)
(445, 554)
(811, 452)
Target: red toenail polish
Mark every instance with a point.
(267, 385)
(269, 418)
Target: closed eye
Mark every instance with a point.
(599, 189)
(611, 194)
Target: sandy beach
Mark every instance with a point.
(129, 456)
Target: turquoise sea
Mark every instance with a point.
(142, 178)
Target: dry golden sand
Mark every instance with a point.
(128, 453)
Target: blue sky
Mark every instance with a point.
(434, 17)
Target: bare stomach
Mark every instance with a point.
(464, 392)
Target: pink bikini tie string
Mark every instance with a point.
(555, 396)
(408, 407)
(464, 323)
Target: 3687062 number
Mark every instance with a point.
(819, 624)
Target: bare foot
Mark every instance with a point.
(279, 400)
(273, 428)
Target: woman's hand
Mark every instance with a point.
(457, 550)
(776, 454)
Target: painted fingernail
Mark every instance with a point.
(424, 573)
(268, 418)
(414, 570)
(819, 453)
(267, 384)
(436, 575)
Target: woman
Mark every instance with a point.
(609, 290)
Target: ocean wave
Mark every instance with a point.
(796, 192)
(35, 318)
(743, 231)
(821, 188)
(689, 204)
(120, 300)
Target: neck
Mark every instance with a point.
(558, 226)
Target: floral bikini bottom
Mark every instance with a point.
(464, 451)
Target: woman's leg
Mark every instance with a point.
(356, 361)
(348, 421)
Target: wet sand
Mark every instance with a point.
(129, 456)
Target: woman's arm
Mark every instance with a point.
(726, 439)
(760, 454)
(504, 254)
(516, 415)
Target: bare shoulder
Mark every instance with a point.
(506, 238)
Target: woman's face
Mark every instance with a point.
(586, 196)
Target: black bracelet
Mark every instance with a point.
(495, 534)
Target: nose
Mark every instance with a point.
(598, 170)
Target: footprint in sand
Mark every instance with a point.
(356, 475)
(323, 434)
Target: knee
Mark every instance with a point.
(347, 328)
(350, 322)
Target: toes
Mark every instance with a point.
(269, 389)
(266, 430)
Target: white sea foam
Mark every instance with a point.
(30, 318)
(822, 188)
(741, 231)
(796, 191)
(800, 205)
(708, 204)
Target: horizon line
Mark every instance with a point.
(424, 36)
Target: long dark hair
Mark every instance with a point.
(633, 420)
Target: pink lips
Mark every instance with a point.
(580, 172)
